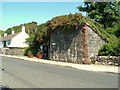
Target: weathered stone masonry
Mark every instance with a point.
(13, 51)
(68, 46)
(94, 42)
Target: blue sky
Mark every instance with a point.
(16, 13)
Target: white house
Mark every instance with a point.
(15, 40)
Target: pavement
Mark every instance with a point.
(92, 67)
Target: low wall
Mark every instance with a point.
(106, 60)
(14, 51)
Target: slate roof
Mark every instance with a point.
(8, 37)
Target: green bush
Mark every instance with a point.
(31, 50)
(112, 49)
(106, 50)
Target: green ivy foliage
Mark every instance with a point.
(39, 37)
(42, 34)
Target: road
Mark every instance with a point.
(25, 74)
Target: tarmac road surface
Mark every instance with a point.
(25, 74)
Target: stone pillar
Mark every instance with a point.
(85, 46)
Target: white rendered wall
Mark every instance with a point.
(1, 45)
(19, 40)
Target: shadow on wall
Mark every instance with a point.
(66, 45)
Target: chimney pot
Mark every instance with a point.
(5, 34)
(13, 32)
(23, 28)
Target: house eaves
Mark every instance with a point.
(6, 38)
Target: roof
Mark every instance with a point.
(8, 37)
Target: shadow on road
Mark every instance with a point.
(5, 88)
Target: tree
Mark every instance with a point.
(30, 28)
(36, 38)
(42, 33)
(2, 33)
(106, 13)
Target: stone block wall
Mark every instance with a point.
(68, 46)
(15, 51)
(106, 60)
(94, 42)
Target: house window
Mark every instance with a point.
(9, 41)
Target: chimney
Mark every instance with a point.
(13, 32)
(5, 34)
(23, 28)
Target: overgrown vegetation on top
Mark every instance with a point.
(67, 22)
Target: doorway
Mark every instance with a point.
(45, 52)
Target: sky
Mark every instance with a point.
(16, 13)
